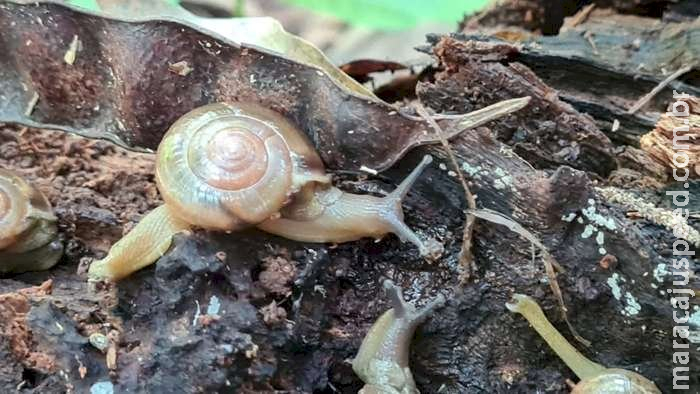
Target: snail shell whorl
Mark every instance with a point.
(616, 381)
(28, 232)
(225, 166)
(20, 206)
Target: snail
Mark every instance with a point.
(382, 361)
(595, 378)
(28, 231)
(227, 166)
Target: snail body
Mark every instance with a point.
(595, 378)
(230, 166)
(28, 231)
(382, 361)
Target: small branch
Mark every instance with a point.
(581, 16)
(473, 119)
(647, 97)
(550, 264)
(466, 258)
(32, 103)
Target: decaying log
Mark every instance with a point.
(334, 293)
(547, 16)
(604, 64)
(549, 133)
(672, 125)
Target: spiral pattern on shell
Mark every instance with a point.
(225, 166)
(28, 231)
(615, 380)
(14, 207)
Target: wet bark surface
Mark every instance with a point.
(249, 312)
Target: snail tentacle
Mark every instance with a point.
(531, 311)
(382, 361)
(595, 378)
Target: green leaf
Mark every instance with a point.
(92, 5)
(87, 4)
(393, 14)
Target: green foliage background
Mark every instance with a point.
(393, 14)
(378, 14)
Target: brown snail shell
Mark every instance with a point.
(614, 380)
(226, 166)
(28, 231)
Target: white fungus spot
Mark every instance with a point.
(695, 319)
(472, 171)
(614, 286)
(508, 180)
(694, 336)
(588, 231)
(602, 251)
(214, 306)
(104, 387)
(569, 218)
(660, 271)
(633, 306)
(600, 238)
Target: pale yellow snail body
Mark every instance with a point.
(595, 378)
(230, 166)
(382, 361)
(28, 232)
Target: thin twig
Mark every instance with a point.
(466, 258)
(647, 97)
(32, 103)
(590, 37)
(473, 119)
(581, 16)
(551, 266)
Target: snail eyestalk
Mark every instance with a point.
(595, 378)
(142, 246)
(395, 217)
(577, 362)
(382, 361)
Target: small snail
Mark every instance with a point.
(28, 232)
(595, 378)
(230, 166)
(382, 361)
